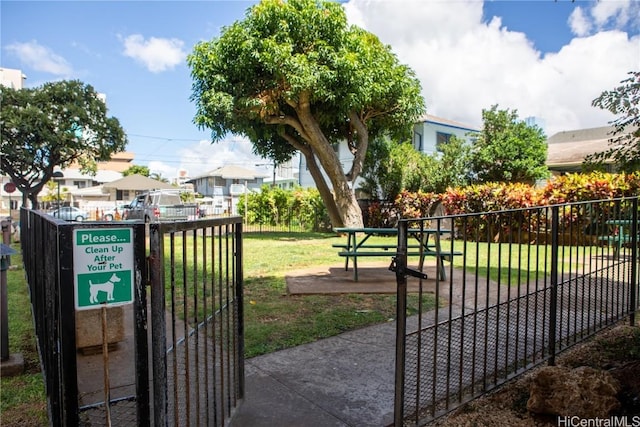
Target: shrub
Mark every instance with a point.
(300, 207)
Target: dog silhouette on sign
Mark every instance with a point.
(107, 287)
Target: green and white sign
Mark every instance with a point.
(103, 266)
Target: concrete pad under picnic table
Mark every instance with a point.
(373, 277)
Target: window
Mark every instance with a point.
(442, 138)
(80, 184)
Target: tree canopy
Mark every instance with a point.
(137, 170)
(507, 149)
(55, 124)
(391, 168)
(294, 76)
(623, 101)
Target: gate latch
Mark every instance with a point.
(409, 271)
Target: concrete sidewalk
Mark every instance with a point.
(346, 380)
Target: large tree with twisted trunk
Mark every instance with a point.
(294, 76)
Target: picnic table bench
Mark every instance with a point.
(354, 248)
(622, 234)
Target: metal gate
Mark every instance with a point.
(196, 321)
(187, 368)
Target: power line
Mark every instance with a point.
(163, 138)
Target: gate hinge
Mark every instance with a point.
(408, 271)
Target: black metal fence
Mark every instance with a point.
(523, 286)
(197, 321)
(48, 256)
(187, 368)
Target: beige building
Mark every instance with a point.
(568, 149)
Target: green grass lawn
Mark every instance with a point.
(22, 398)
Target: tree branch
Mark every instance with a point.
(362, 136)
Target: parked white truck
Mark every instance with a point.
(161, 205)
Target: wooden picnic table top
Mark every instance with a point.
(387, 231)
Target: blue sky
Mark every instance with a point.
(545, 58)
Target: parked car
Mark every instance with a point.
(70, 213)
(161, 205)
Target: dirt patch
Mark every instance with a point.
(616, 350)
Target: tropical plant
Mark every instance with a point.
(509, 150)
(625, 141)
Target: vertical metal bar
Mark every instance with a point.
(496, 355)
(509, 285)
(205, 316)
(158, 326)
(105, 363)
(186, 327)
(174, 332)
(554, 284)
(140, 329)
(196, 323)
(228, 312)
(487, 303)
(214, 336)
(220, 340)
(67, 332)
(633, 303)
(240, 307)
(461, 364)
(476, 295)
(401, 324)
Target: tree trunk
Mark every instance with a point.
(324, 190)
(344, 196)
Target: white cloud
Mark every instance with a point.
(41, 58)
(466, 64)
(579, 23)
(157, 54)
(205, 156)
(614, 12)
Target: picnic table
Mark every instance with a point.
(357, 246)
(622, 234)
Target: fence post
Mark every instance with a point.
(553, 306)
(66, 317)
(158, 326)
(239, 275)
(140, 330)
(634, 262)
(401, 323)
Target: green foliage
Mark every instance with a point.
(509, 150)
(294, 76)
(593, 186)
(392, 168)
(491, 197)
(275, 206)
(55, 124)
(136, 169)
(454, 166)
(625, 142)
(158, 177)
